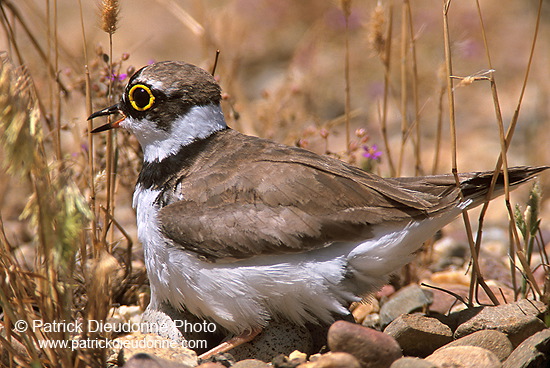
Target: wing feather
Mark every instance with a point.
(259, 197)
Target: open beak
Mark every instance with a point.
(108, 111)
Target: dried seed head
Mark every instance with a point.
(109, 15)
(376, 30)
(346, 7)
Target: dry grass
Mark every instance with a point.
(419, 81)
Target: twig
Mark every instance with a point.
(129, 241)
(458, 297)
(450, 94)
(347, 11)
(384, 112)
(215, 62)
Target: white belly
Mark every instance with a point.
(300, 287)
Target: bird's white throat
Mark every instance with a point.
(198, 123)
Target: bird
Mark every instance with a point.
(240, 230)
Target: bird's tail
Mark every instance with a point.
(393, 244)
(475, 186)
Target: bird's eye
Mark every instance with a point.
(141, 98)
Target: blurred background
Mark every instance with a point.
(365, 81)
(282, 69)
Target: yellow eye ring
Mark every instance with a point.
(141, 98)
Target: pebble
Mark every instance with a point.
(362, 310)
(156, 346)
(211, 365)
(278, 337)
(250, 363)
(372, 348)
(333, 360)
(411, 362)
(419, 335)
(464, 357)
(298, 357)
(492, 340)
(409, 299)
(534, 352)
(372, 321)
(143, 360)
(517, 320)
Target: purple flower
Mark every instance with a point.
(120, 77)
(372, 152)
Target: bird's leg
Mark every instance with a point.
(231, 343)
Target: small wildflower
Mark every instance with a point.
(303, 143)
(361, 132)
(372, 152)
(120, 77)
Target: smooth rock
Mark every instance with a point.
(297, 357)
(517, 320)
(464, 357)
(143, 360)
(534, 352)
(410, 299)
(211, 365)
(410, 362)
(492, 340)
(372, 321)
(333, 360)
(419, 335)
(361, 310)
(250, 363)
(372, 348)
(278, 337)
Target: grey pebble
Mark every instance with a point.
(410, 299)
(534, 352)
(250, 363)
(143, 360)
(419, 335)
(517, 320)
(278, 337)
(411, 362)
(492, 340)
(464, 357)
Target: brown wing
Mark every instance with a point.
(245, 196)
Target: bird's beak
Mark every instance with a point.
(108, 111)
